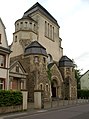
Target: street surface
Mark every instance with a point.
(78, 112)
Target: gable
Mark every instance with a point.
(37, 7)
(16, 67)
(3, 38)
(56, 72)
(85, 76)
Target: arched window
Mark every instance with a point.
(25, 25)
(30, 26)
(17, 26)
(44, 59)
(34, 27)
(36, 59)
(15, 39)
(50, 59)
(45, 28)
(41, 86)
(46, 88)
(21, 25)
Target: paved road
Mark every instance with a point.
(78, 112)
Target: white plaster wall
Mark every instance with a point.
(84, 81)
(3, 36)
(3, 73)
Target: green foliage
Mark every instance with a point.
(77, 76)
(83, 94)
(10, 98)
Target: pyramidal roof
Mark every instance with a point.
(65, 62)
(35, 48)
(38, 7)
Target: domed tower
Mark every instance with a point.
(25, 32)
(38, 68)
(66, 68)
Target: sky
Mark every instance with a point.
(72, 17)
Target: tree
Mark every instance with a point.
(77, 74)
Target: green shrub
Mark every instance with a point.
(10, 98)
(83, 94)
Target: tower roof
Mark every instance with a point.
(65, 62)
(38, 7)
(26, 17)
(35, 48)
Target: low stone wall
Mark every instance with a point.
(11, 109)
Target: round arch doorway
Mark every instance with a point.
(54, 88)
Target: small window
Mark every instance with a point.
(25, 24)
(53, 34)
(45, 28)
(44, 59)
(50, 59)
(30, 25)
(21, 25)
(41, 87)
(34, 27)
(17, 24)
(0, 38)
(47, 87)
(1, 84)
(2, 61)
(36, 59)
(21, 22)
(15, 38)
(17, 68)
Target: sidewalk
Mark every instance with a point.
(47, 107)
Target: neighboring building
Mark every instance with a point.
(37, 46)
(17, 76)
(84, 81)
(4, 58)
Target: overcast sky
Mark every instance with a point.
(72, 16)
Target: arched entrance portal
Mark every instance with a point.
(54, 88)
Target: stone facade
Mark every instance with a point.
(37, 46)
(40, 26)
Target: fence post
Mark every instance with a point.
(38, 99)
(25, 96)
(51, 102)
